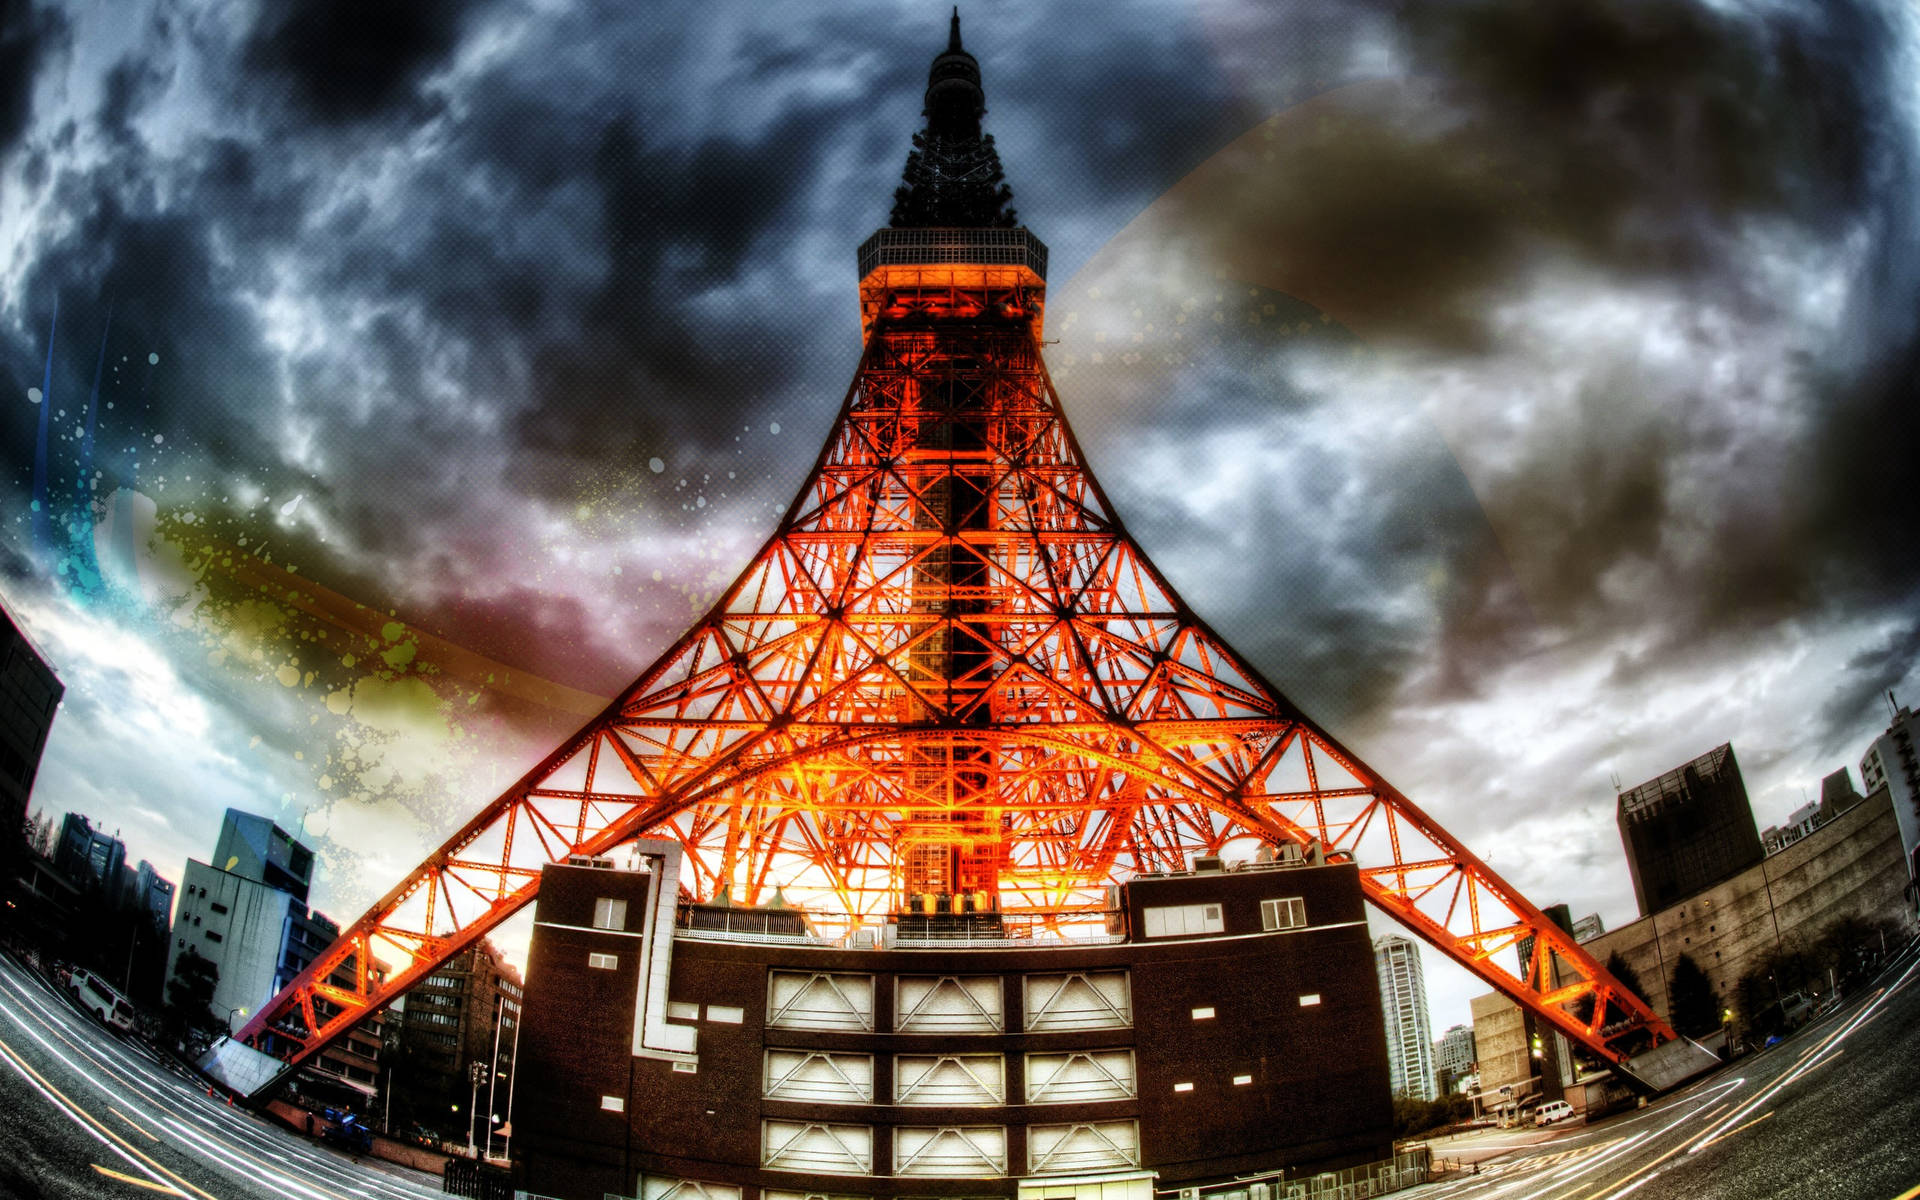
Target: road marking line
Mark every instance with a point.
(1632, 1186)
(152, 1137)
(1720, 1137)
(233, 1155)
(88, 1122)
(1795, 1072)
(57, 1021)
(168, 1188)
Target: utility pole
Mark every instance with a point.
(493, 1078)
(476, 1071)
(513, 1068)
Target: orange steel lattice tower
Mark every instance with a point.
(950, 682)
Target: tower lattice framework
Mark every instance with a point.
(950, 682)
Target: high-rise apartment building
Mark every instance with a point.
(1688, 830)
(1892, 763)
(1403, 1004)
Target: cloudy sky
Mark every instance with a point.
(1528, 389)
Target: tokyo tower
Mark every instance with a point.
(951, 688)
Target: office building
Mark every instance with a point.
(1892, 763)
(1687, 830)
(1454, 1058)
(1227, 1036)
(250, 919)
(29, 695)
(1851, 866)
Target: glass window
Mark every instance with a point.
(1289, 912)
(609, 913)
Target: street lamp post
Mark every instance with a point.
(476, 1071)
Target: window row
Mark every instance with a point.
(1193, 920)
(949, 1080)
(949, 1004)
(960, 1151)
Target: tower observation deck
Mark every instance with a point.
(950, 689)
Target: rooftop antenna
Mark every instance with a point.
(1893, 704)
(1615, 776)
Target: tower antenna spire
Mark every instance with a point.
(953, 178)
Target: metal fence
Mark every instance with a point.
(465, 1177)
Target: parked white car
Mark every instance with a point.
(99, 998)
(1553, 1110)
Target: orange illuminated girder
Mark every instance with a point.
(796, 738)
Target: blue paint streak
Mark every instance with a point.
(83, 566)
(42, 526)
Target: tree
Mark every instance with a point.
(1851, 945)
(1692, 1005)
(41, 834)
(1776, 975)
(1412, 1117)
(190, 994)
(1617, 967)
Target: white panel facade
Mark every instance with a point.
(1080, 1076)
(950, 1150)
(817, 1147)
(664, 1187)
(817, 1076)
(1078, 1000)
(949, 1079)
(948, 1004)
(1084, 1146)
(819, 1000)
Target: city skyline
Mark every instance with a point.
(1415, 590)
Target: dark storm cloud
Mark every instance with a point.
(1637, 136)
(675, 226)
(349, 60)
(28, 35)
(1664, 149)
(131, 85)
(1867, 678)
(1104, 119)
(603, 245)
(1660, 107)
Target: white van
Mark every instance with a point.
(98, 997)
(1551, 1111)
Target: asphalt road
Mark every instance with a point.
(85, 1114)
(1831, 1113)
